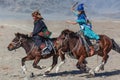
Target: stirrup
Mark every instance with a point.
(45, 51)
(44, 48)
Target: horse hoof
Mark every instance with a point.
(42, 67)
(44, 75)
(87, 70)
(90, 76)
(47, 72)
(32, 75)
(102, 68)
(57, 70)
(97, 69)
(91, 72)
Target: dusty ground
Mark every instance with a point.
(10, 62)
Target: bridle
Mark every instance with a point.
(65, 39)
(18, 43)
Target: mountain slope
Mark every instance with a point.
(57, 7)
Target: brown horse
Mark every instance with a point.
(33, 53)
(73, 44)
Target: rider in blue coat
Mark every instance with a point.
(38, 32)
(84, 26)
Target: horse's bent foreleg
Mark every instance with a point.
(55, 60)
(37, 59)
(81, 63)
(24, 69)
(62, 56)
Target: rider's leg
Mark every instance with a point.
(91, 34)
(42, 46)
(44, 49)
(91, 46)
(92, 50)
(39, 42)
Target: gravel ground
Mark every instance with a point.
(10, 62)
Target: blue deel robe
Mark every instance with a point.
(82, 20)
(39, 26)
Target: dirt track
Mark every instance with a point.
(10, 62)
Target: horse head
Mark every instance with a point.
(64, 33)
(17, 41)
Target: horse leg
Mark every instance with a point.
(37, 59)
(106, 49)
(24, 69)
(62, 56)
(101, 65)
(81, 63)
(104, 60)
(55, 60)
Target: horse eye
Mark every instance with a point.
(16, 39)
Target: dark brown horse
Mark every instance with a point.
(33, 53)
(73, 44)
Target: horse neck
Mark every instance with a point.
(74, 43)
(27, 45)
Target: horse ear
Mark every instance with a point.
(17, 34)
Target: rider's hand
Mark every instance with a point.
(71, 22)
(68, 21)
(30, 34)
(72, 9)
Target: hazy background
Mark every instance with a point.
(15, 16)
(58, 9)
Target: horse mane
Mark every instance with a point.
(66, 31)
(53, 39)
(22, 35)
(71, 33)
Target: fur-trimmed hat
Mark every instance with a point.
(36, 14)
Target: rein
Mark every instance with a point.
(18, 43)
(31, 49)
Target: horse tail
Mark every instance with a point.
(115, 46)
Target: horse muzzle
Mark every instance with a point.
(10, 47)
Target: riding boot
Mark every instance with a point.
(97, 41)
(91, 51)
(44, 49)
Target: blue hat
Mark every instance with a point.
(80, 7)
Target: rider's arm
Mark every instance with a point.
(71, 22)
(38, 27)
(75, 13)
(30, 34)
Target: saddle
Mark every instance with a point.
(48, 47)
(87, 43)
(95, 44)
(49, 44)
